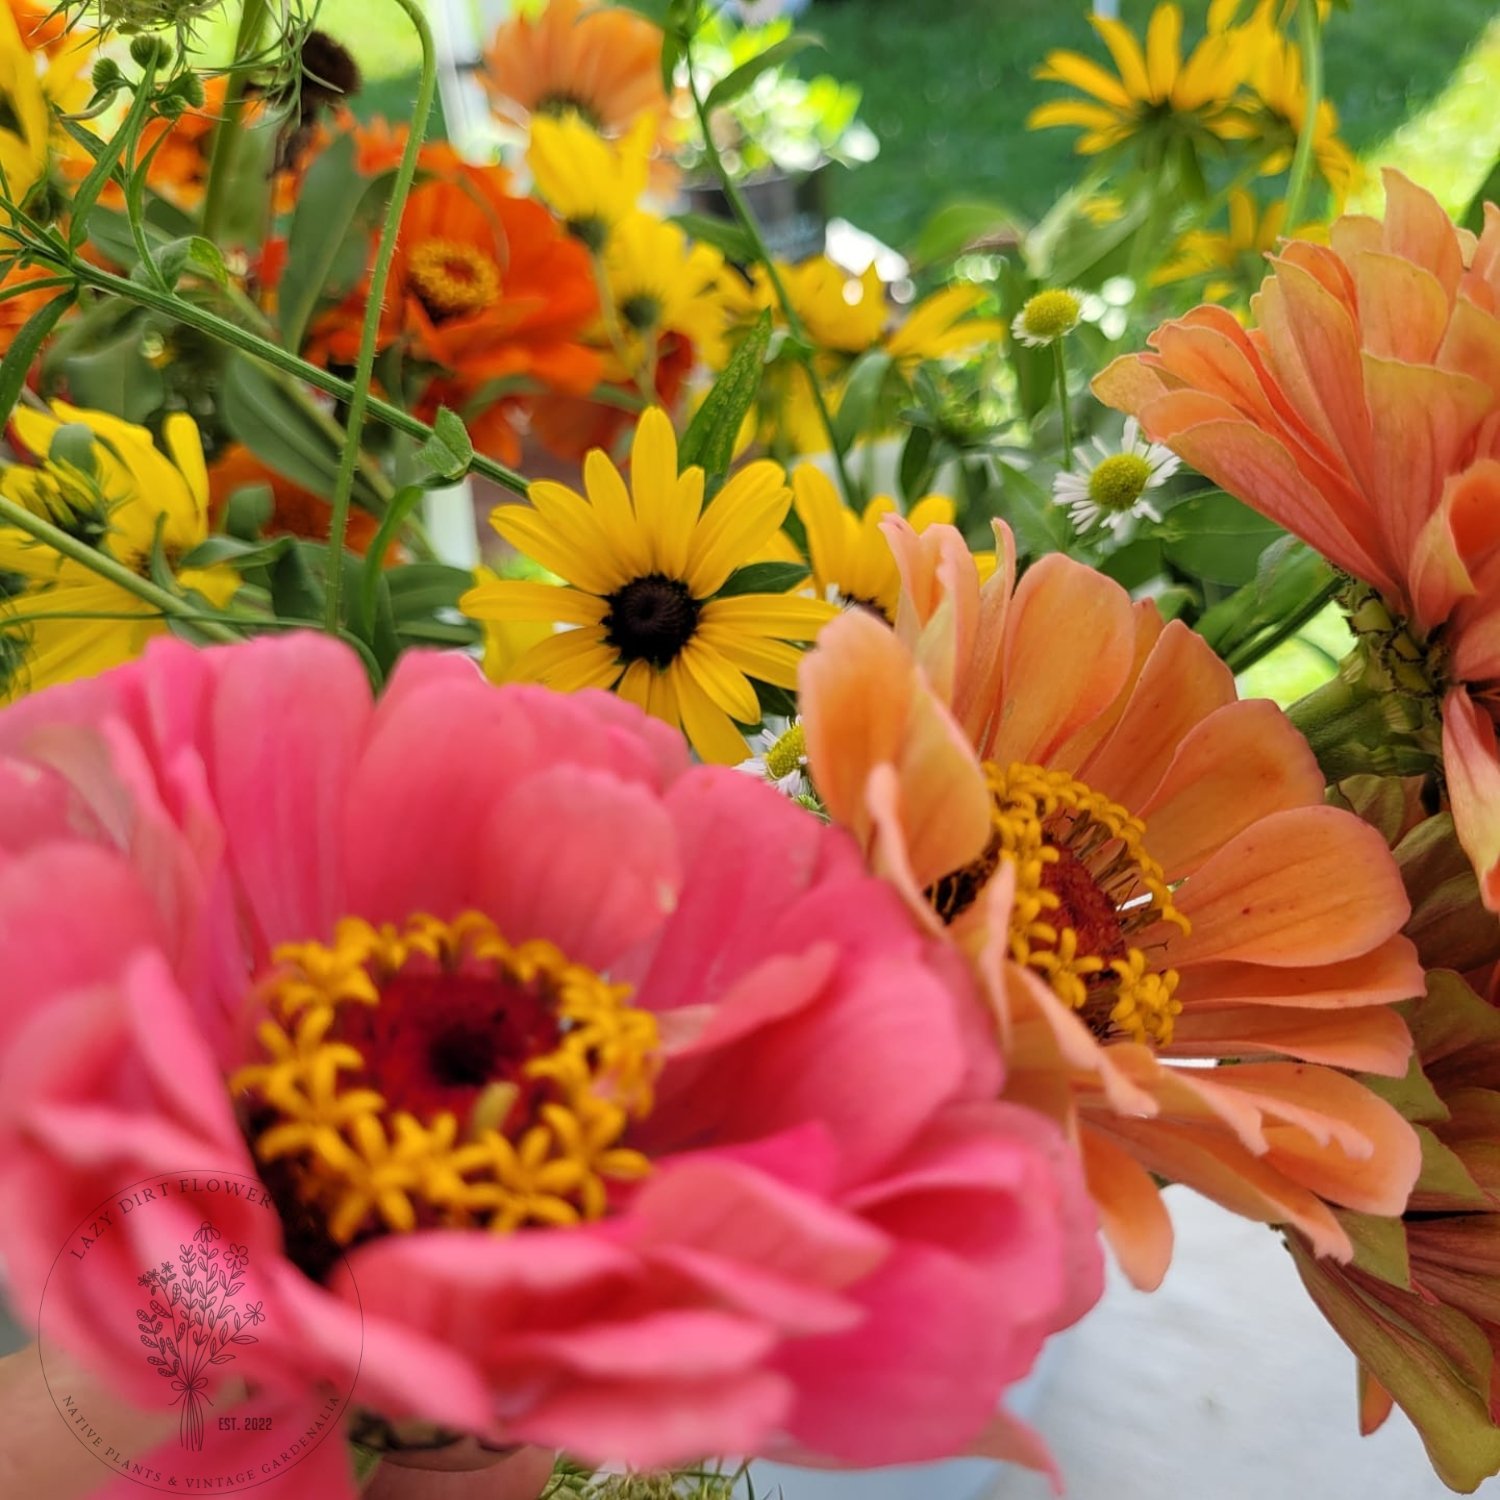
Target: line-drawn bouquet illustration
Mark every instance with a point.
(190, 1323)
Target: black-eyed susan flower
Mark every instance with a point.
(1156, 90)
(590, 183)
(1233, 258)
(643, 602)
(1110, 484)
(852, 562)
(105, 482)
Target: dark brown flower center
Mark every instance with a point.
(651, 619)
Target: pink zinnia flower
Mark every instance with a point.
(644, 1121)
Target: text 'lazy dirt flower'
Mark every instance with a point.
(653, 1014)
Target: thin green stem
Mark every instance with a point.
(1252, 652)
(741, 210)
(364, 365)
(1064, 410)
(277, 358)
(232, 122)
(105, 566)
(1310, 36)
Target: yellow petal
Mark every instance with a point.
(790, 617)
(708, 727)
(525, 530)
(725, 685)
(616, 516)
(525, 599)
(1164, 50)
(745, 515)
(1127, 54)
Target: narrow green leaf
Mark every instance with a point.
(917, 465)
(239, 554)
(24, 349)
(417, 589)
(447, 454)
(763, 578)
(956, 225)
(723, 234)
(732, 85)
(861, 400)
(99, 174)
(327, 244)
(709, 440)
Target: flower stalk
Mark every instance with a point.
(1310, 37)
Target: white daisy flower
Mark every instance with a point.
(780, 760)
(1048, 317)
(1109, 485)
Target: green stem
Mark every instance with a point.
(1263, 645)
(1310, 36)
(105, 566)
(741, 211)
(364, 365)
(1063, 409)
(277, 358)
(232, 122)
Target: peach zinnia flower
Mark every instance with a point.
(1361, 414)
(603, 65)
(1145, 874)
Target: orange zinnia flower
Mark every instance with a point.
(604, 65)
(486, 289)
(295, 511)
(1144, 873)
(1364, 415)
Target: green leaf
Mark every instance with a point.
(1289, 575)
(775, 702)
(1444, 1176)
(1039, 524)
(258, 409)
(732, 85)
(419, 589)
(93, 184)
(447, 454)
(723, 234)
(918, 465)
(195, 255)
(114, 376)
(296, 586)
(710, 438)
(236, 552)
(1379, 1246)
(956, 225)
(328, 243)
(25, 347)
(401, 506)
(763, 578)
(1217, 538)
(249, 508)
(1489, 192)
(861, 399)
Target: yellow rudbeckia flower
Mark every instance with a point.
(1154, 89)
(590, 183)
(1233, 258)
(60, 619)
(659, 283)
(852, 562)
(940, 326)
(25, 122)
(644, 568)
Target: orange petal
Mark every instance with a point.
(1388, 972)
(1133, 1217)
(1068, 651)
(1238, 765)
(1371, 1040)
(1308, 886)
(1181, 683)
(1471, 758)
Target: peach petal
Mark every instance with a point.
(1373, 1040)
(1220, 1168)
(1311, 885)
(1133, 1217)
(1403, 308)
(1239, 763)
(1390, 971)
(1182, 683)
(1418, 228)
(1069, 645)
(1471, 758)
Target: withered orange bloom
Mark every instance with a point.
(486, 289)
(1363, 414)
(1146, 878)
(601, 64)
